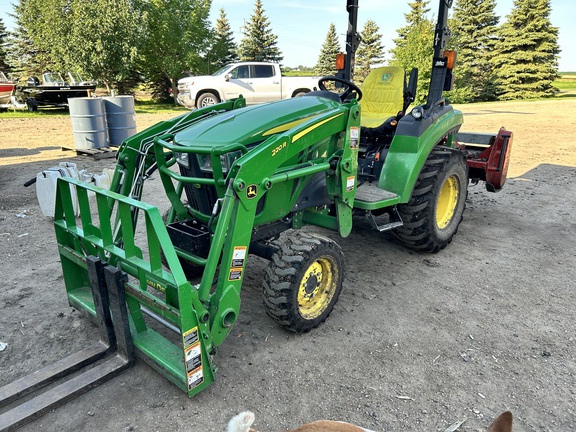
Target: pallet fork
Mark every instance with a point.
(114, 346)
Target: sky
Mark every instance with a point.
(302, 25)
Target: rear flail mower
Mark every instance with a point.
(242, 180)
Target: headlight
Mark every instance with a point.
(226, 160)
(417, 112)
(183, 159)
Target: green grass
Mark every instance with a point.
(151, 107)
(141, 107)
(567, 82)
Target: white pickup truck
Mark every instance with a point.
(257, 81)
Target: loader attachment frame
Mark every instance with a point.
(157, 292)
(150, 289)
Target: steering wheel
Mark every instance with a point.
(350, 87)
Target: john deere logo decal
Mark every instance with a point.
(252, 191)
(386, 77)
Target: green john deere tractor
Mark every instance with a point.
(242, 180)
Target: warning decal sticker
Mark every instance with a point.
(235, 274)
(354, 135)
(193, 358)
(350, 183)
(195, 378)
(238, 256)
(190, 337)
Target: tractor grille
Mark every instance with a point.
(200, 197)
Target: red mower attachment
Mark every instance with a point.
(487, 156)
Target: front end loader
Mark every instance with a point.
(242, 180)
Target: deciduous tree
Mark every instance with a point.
(176, 32)
(414, 46)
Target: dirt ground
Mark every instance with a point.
(416, 342)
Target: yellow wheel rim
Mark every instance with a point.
(447, 201)
(317, 288)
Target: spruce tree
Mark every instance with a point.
(474, 28)
(259, 43)
(4, 67)
(223, 50)
(25, 58)
(527, 59)
(370, 52)
(414, 46)
(326, 65)
(417, 14)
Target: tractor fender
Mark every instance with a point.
(411, 145)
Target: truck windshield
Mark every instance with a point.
(221, 71)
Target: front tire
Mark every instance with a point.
(433, 214)
(207, 99)
(303, 281)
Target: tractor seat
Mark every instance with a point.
(383, 91)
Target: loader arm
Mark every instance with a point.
(201, 314)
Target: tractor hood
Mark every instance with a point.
(253, 124)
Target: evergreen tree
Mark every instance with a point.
(326, 65)
(474, 28)
(414, 46)
(25, 58)
(223, 50)
(4, 67)
(417, 14)
(370, 52)
(259, 43)
(527, 59)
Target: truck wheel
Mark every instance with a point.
(434, 212)
(303, 281)
(207, 99)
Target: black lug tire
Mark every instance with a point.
(421, 231)
(297, 255)
(200, 103)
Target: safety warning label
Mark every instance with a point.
(195, 378)
(190, 337)
(235, 274)
(193, 357)
(354, 135)
(238, 256)
(350, 183)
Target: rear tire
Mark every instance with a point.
(207, 99)
(434, 212)
(303, 281)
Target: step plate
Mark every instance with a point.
(371, 193)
